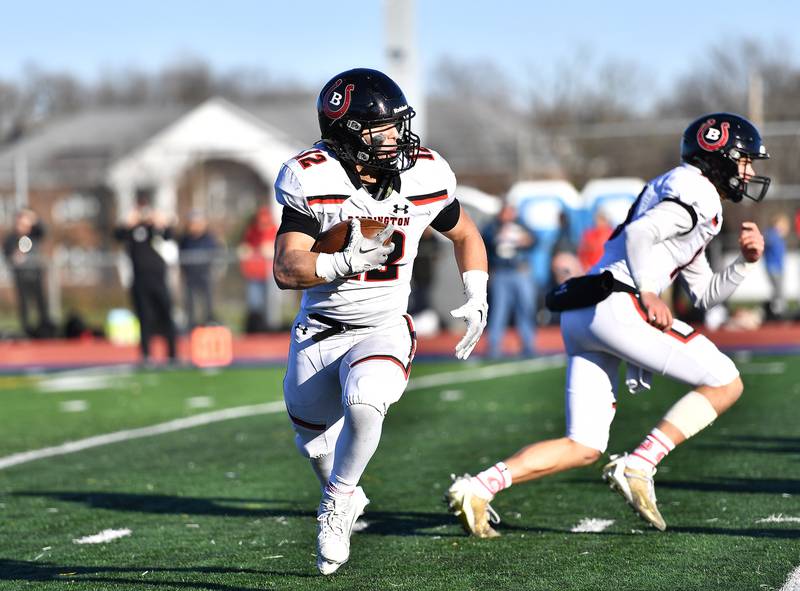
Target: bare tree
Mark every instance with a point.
(472, 81)
(580, 92)
(721, 81)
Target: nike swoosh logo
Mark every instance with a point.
(362, 251)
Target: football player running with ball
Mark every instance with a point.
(617, 315)
(353, 343)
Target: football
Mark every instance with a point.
(336, 237)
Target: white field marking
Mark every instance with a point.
(779, 518)
(200, 402)
(104, 536)
(75, 383)
(74, 406)
(451, 395)
(792, 581)
(770, 368)
(452, 377)
(360, 525)
(488, 372)
(89, 378)
(128, 434)
(592, 525)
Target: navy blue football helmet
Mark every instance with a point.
(714, 143)
(363, 99)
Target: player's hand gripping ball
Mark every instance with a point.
(337, 237)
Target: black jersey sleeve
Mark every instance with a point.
(448, 217)
(296, 221)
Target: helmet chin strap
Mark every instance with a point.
(383, 187)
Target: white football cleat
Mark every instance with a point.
(474, 513)
(336, 516)
(636, 487)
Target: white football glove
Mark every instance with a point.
(361, 254)
(474, 311)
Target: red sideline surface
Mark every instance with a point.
(273, 348)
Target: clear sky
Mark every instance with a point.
(310, 40)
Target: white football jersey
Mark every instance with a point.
(686, 186)
(315, 184)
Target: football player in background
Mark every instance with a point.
(663, 238)
(353, 343)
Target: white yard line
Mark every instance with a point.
(431, 381)
(779, 518)
(488, 372)
(103, 537)
(74, 383)
(793, 581)
(769, 368)
(128, 434)
(592, 525)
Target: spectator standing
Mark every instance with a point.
(797, 223)
(144, 229)
(564, 263)
(198, 247)
(255, 262)
(425, 318)
(23, 251)
(774, 258)
(593, 241)
(511, 282)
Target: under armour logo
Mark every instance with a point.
(397, 209)
(301, 328)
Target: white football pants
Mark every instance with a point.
(615, 330)
(362, 366)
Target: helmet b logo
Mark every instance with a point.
(712, 138)
(335, 104)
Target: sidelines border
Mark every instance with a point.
(430, 381)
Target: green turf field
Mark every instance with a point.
(231, 505)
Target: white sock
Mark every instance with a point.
(322, 466)
(491, 481)
(654, 448)
(357, 443)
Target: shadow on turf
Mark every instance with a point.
(396, 523)
(757, 443)
(18, 570)
(761, 532)
(736, 485)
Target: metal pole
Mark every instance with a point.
(21, 179)
(54, 286)
(755, 98)
(401, 56)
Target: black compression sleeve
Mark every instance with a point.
(295, 221)
(448, 217)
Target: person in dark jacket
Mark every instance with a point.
(511, 283)
(141, 233)
(197, 250)
(23, 251)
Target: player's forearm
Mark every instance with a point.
(470, 253)
(720, 286)
(296, 269)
